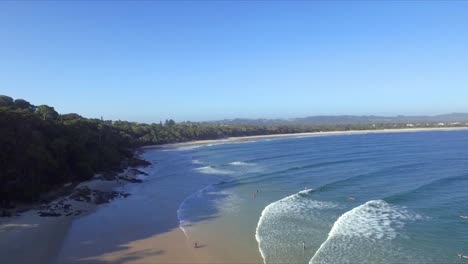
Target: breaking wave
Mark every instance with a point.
(282, 227)
(241, 163)
(212, 170)
(364, 235)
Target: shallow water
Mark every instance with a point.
(375, 198)
(368, 198)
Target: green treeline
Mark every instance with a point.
(40, 149)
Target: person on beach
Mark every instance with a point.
(196, 245)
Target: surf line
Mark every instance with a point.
(269, 209)
(381, 210)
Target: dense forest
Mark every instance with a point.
(42, 149)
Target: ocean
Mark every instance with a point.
(361, 198)
(368, 198)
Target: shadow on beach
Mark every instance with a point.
(126, 230)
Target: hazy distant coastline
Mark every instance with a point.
(307, 134)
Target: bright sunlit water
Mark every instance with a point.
(375, 198)
(363, 198)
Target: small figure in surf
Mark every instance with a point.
(351, 198)
(464, 217)
(196, 245)
(303, 245)
(460, 255)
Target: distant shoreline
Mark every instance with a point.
(305, 134)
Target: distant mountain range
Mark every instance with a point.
(348, 119)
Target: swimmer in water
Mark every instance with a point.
(303, 245)
(464, 217)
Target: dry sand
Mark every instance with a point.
(32, 239)
(170, 247)
(307, 134)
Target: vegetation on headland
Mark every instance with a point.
(42, 149)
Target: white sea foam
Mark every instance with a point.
(229, 201)
(212, 170)
(219, 200)
(283, 221)
(375, 219)
(241, 163)
(182, 215)
(358, 231)
(196, 162)
(190, 147)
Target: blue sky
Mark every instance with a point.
(147, 61)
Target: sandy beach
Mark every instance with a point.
(308, 134)
(157, 239)
(169, 247)
(31, 238)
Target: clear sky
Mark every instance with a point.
(149, 60)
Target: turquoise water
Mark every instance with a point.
(375, 198)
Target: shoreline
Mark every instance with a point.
(297, 135)
(143, 234)
(29, 229)
(50, 222)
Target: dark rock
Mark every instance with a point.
(131, 180)
(49, 214)
(82, 194)
(136, 171)
(109, 176)
(136, 162)
(6, 213)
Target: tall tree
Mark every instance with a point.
(23, 104)
(6, 101)
(47, 112)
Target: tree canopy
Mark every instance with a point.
(41, 150)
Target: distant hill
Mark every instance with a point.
(348, 119)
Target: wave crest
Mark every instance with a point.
(281, 227)
(241, 163)
(212, 170)
(361, 234)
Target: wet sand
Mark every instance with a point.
(143, 228)
(32, 239)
